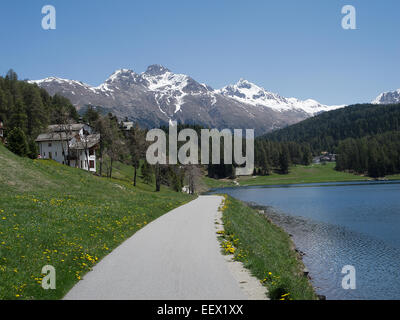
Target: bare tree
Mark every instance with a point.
(193, 175)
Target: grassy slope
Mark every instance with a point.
(266, 250)
(65, 217)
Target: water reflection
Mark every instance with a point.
(336, 225)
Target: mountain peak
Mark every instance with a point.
(156, 70)
(247, 92)
(243, 83)
(390, 97)
(120, 73)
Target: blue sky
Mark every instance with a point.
(292, 47)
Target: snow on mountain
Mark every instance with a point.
(61, 81)
(166, 84)
(247, 92)
(158, 96)
(390, 97)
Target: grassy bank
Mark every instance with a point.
(266, 250)
(304, 174)
(297, 174)
(52, 214)
(211, 183)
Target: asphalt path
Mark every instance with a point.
(175, 257)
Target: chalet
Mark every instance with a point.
(71, 144)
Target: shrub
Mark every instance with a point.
(17, 142)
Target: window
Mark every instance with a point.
(91, 152)
(49, 144)
(50, 155)
(56, 153)
(91, 164)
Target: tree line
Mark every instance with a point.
(26, 110)
(365, 137)
(375, 156)
(278, 156)
(129, 147)
(324, 131)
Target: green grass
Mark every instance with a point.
(211, 183)
(304, 174)
(266, 250)
(393, 177)
(51, 214)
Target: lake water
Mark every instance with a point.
(338, 224)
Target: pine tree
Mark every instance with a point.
(284, 161)
(17, 142)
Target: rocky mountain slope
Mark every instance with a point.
(158, 96)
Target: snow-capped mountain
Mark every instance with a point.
(157, 96)
(390, 97)
(247, 92)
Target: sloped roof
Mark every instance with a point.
(58, 132)
(66, 127)
(89, 142)
(54, 136)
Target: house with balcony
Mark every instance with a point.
(70, 144)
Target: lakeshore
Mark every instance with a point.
(315, 173)
(338, 224)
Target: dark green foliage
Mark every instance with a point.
(172, 176)
(17, 142)
(376, 156)
(284, 161)
(33, 149)
(324, 132)
(31, 109)
(365, 137)
(278, 156)
(91, 116)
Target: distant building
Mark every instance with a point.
(325, 157)
(73, 144)
(127, 126)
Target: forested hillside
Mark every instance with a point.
(366, 138)
(325, 131)
(27, 109)
(377, 155)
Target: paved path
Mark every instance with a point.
(175, 257)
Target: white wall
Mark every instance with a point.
(55, 147)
